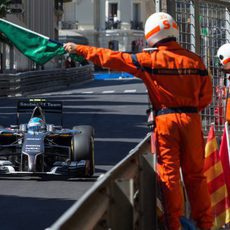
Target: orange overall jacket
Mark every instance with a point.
(179, 87)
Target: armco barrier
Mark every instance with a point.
(31, 82)
(124, 198)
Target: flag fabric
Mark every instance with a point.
(213, 170)
(224, 157)
(35, 46)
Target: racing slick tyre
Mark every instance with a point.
(87, 129)
(83, 149)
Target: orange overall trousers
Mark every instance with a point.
(179, 88)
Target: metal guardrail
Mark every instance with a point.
(123, 198)
(27, 83)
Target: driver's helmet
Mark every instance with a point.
(36, 124)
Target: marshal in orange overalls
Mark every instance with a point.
(179, 88)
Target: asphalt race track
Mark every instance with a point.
(116, 109)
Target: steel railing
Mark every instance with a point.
(31, 82)
(123, 198)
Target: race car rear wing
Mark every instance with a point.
(24, 106)
(28, 106)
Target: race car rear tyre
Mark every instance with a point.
(83, 149)
(86, 129)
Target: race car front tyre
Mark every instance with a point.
(83, 149)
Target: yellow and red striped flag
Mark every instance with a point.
(224, 157)
(216, 182)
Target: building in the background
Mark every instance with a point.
(41, 16)
(116, 24)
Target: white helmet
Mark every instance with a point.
(160, 26)
(223, 54)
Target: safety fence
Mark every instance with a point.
(124, 198)
(204, 27)
(32, 82)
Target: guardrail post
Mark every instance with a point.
(148, 216)
(121, 209)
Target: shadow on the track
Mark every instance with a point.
(49, 178)
(31, 213)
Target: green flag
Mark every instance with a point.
(35, 46)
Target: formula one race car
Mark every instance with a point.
(38, 148)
